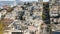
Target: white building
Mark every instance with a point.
(0, 15)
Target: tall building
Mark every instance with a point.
(55, 14)
(54, 11)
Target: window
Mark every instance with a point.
(32, 32)
(18, 27)
(54, 13)
(17, 32)
(58, 2)
(59, 10)
(56, 32)
(55, 21)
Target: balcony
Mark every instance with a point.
(54, 15)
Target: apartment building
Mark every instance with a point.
(54, 10)
(29, 15)
(54, 13)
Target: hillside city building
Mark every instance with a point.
(31, 17)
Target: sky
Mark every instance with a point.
(35, 0)
(7, 0)
(29, 0)
(25, 0)
(45, 0)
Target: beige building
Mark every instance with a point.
(32, 16)
(55, 14)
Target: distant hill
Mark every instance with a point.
(6, 3)
(13, 2)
